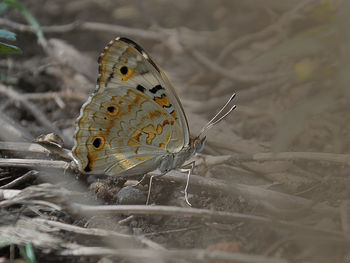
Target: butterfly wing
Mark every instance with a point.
(123, 55)
(133, 119)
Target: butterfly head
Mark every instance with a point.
(197, 143)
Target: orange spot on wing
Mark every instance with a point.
(159, 128)
(136, 100)
(149, 129)
(155, 114)
(150, 138)
(127, 76)
(142, 159)
(163, 101)
(174, 114)
(151, 132)
(135, 138)
(165, 142)
(102, 70)
(126, 164)
(119, 156)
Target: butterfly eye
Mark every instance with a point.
(124, 70)
(98, 142)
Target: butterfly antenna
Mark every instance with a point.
(215, 119)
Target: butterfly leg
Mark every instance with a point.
(141, 181)
(150, 186)
(188, 168)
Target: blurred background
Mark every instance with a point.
(287, 61)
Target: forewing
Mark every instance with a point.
(121, 56)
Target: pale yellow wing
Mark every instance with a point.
(124, 62)
(133, 118)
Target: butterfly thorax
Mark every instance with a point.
(176, 160)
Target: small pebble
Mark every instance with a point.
(131, 196)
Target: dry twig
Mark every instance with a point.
(37, 114)
(108, 234)
(33, 163)
(239, 73)
(277, 202)
(10, 130)
(223, 217)
(27, 176)
(286, 19)
(149, 255)
(341, 159)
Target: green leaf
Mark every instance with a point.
(27, 253)
(30, 253)
(3, 7)
(9, 49)
(7, 34)
(12, 3)
(29, 17)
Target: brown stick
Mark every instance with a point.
(27, 176)
(38, 114)
(33, 163)
(151, 255)
(122, 30)
(224, 217)
(343, 159)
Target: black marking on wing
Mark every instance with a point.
(111, 75)
(152, 63)
(140, 88)
(99, 61)
(102, 55)
(124, 70)
(168, 107)
(98, 81)
(111, 109)
(87, 168)
(97, 142)
(130, 42)
(140, 49)
(155, 89)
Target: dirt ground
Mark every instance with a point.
(272, 183)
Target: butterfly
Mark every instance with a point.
(134, 122)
